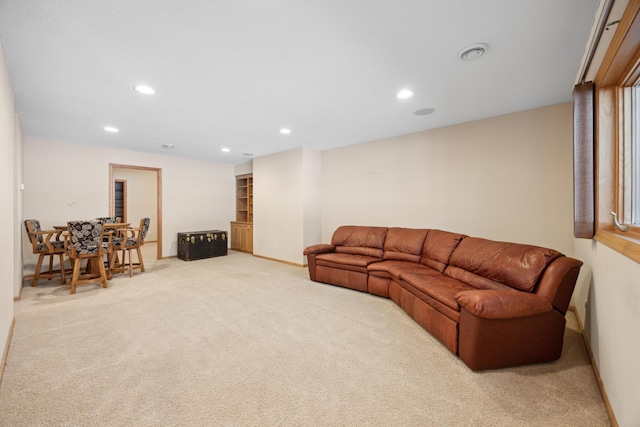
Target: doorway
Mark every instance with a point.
(113, 178)
(120, 199)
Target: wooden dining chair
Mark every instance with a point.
(131, 239)
(85, 241)
(43, 245)
(115, 238)
(110, 219)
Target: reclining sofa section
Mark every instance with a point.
(494, 304)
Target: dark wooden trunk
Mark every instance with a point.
(202, 244)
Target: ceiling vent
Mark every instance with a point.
(472, 52)
(424, 111)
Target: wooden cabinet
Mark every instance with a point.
(242, 237)
(242, 227)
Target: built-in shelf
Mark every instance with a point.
(242, 227)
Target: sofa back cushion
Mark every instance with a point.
(359, 240)
(404, 244)
(438, 247)
(486, 264)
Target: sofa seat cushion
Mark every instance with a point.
(393, 269)
(346, 261)
(440, 287)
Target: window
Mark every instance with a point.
(628, 164)
(632, 181)
(617, 86)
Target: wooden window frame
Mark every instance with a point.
(620, 69)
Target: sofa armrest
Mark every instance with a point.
(496, 304)
(319, 249)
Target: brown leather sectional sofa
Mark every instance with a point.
(494, 304)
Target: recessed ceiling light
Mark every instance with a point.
(285, 131)
(111, 129)
(225, 150)
(168, 146)
(424, 111)
(472, 52)
(404, 94)
(144, 89)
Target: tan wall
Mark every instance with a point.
(607, 298)
(277, 206)
(9, 203)
(243, 168)
(286, 204)
(311, 198)
(18, 135)
(505, 178)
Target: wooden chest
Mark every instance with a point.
(202, 244)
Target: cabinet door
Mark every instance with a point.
(249, 233)
(242, 237)
(242, 232)
(235, 236)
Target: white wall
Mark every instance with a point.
(278, 206)
(311, 202)
(244, 168)
(18, 136)
(8, 205)
(142, 198)
(196, 195)
(286, 204)
(505, 178)
(607, 298)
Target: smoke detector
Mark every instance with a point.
(472, 52)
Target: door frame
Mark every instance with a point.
(158, 171)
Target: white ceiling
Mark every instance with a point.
(231, 73)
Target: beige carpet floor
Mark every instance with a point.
(242, 341)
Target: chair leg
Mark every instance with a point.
(36, 275)
(113, 257)
(140, 261)
(74, 276)
(62, 274)
(103, 273)
(50, 267)
(123, 263)
(108, 267)
(130, 264)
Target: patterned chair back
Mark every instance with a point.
(86, 236)
(109, 219)
(144, 226)
(33, 225)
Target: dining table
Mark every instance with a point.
(116, 226)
